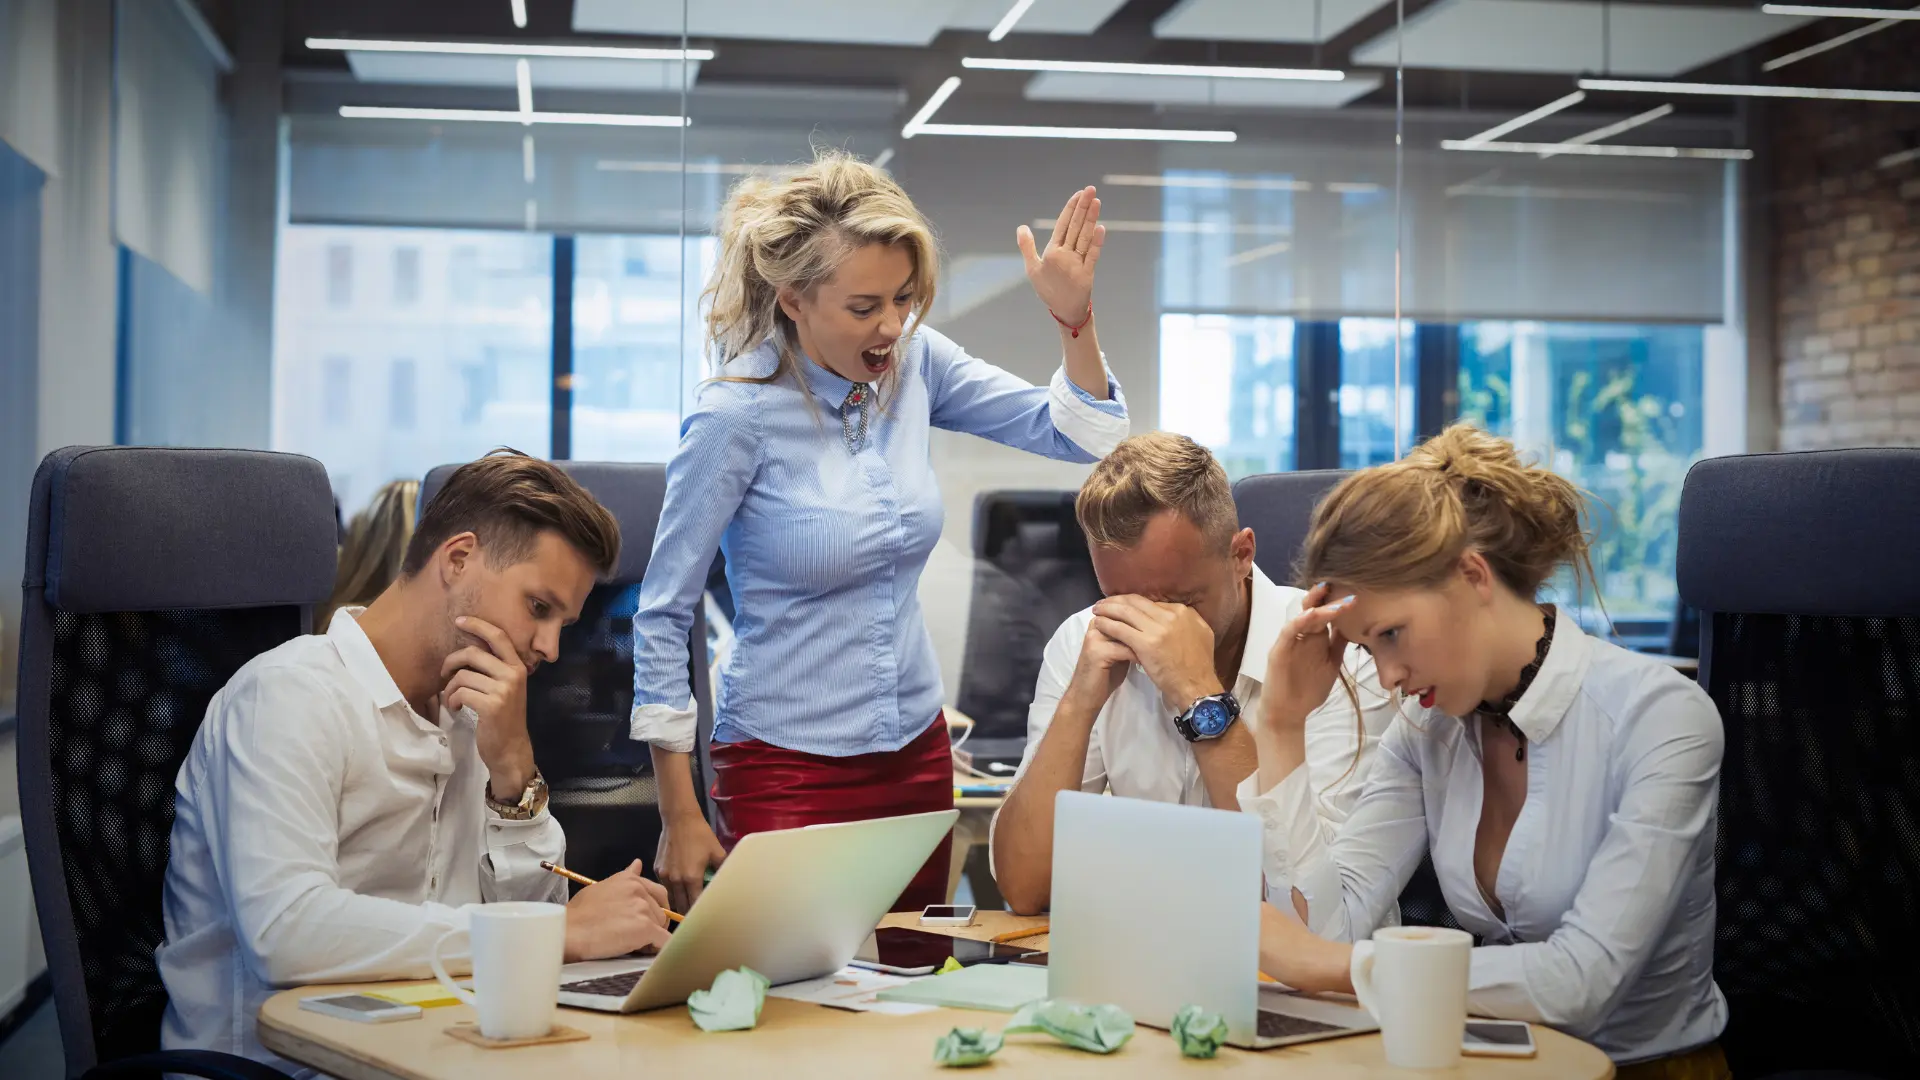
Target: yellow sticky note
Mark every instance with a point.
(426, 995)
(950, 965)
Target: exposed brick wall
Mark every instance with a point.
(1847, 251)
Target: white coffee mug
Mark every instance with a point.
(1413, 979)
(517, 950)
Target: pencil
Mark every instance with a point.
(1016, 935)
(582, 879)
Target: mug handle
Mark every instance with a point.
(1360, 969)
(440, 970)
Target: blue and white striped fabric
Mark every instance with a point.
(825, 547)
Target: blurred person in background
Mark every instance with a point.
(375, 544)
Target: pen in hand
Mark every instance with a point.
(582, 879)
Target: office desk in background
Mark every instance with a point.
(796, 1039)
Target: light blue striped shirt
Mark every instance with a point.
(825, 547)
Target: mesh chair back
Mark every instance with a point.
(579, 708)
(152, 576)
(1802, 566)
(1031, 572)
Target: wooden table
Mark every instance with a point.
(800, 1040)
(970, 831)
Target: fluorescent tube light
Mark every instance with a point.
(1230, 183)
(526, 157)
(1524, 119)
(717, 168)
(1611, 130)
(523, 78)
(1013, 15)
(932, 106)
(880, 160)
(506, 116)
(1747, 90)
(520, 14)
(1261, 252)
(1021, 131)
(1834, 42)
(1900, 158)
(1189, 71)
(1839, 12)
(1206, 228)
(1547, 149)
(507, 48)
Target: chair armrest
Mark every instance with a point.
(208, 1064)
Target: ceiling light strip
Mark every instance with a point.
(1825, 93)
(519, 14)
(1185, 71)
(1005, 25)
(1230, 183)
(1599, 150)
(506, 48)
(1210, 228)
(1611, 130)
(1817, 11)
(932, 106)
(1263, 251)
(1834, 42)
(1900, 158)
(523, 81)
(1524, 119)
(526, 157)
(881, 160)
(1021, 131)
(511, 116)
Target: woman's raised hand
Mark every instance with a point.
(1063, 273)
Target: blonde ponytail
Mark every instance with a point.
(792, 231)
(1405, 525)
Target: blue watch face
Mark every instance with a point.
(1210, 718)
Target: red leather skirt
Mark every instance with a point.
(758, 787)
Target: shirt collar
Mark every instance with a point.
(362, 659)
(829, 387)
(1540, 710)
(1270, 610)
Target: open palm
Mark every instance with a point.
(1063, 273)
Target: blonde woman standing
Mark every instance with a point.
(375, 545)
(1565, 787)
(806, 460)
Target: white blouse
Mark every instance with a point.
(1607, 878)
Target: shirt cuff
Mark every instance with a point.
(1091, 424)
(1289, 829)
(666, 727)
(516, 849)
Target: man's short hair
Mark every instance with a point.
(1146, 476)
(508, 499)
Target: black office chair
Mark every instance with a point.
(152, 576)
(579, 710)
(1031, 572)
(1803, 569)
(1278, 507)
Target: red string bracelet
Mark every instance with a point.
(1083, 322)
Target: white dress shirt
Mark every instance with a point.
(1136, 752)
(1607, 878)
(325, 832)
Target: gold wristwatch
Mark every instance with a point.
(532, 800)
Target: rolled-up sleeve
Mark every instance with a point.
(1350, 875)
(515, 850)
(1060, 421)
(706, 480)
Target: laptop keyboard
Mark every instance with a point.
(610, 985)
(1274, 1025)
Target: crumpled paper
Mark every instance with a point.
(1197, 1032)
(966, 1047)
(733, 1004)
(950, 966)
(1099, 1028)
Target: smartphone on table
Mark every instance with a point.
(901, 951)
(1498, 1038)
(947, 915)
(360, 1008)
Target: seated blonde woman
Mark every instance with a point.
(1565, 787)
(376, 543)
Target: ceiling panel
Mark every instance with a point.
(1575, 36)
(1224, 93)
(549, 73)
(1044, 17)
(854, 22)
(1260, 20)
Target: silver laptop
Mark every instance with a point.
(1157, 906)
(792, 904)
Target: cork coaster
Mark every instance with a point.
(470, 1033)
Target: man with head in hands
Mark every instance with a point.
(1150, 692)
(351, 795)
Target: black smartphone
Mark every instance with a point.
(904, 951)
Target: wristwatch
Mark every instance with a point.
(1208, 718)
(532, 801)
